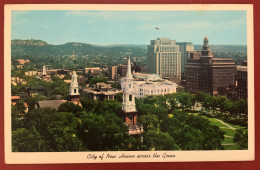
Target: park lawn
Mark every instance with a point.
(228, 132)
(230, 147)
(235, 126)
(227, 140)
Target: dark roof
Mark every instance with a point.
(51, 103)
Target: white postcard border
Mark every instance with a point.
(101, 157)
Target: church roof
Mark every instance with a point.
(55, 104)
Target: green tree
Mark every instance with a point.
(26, 141)
(185, 99)
(149, 121)
(70, 107)
(241, 138)
(103, 132)
(97, 80)
(20, 106)
(156, 140)
(60, 87)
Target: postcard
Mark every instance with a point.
(128, 83)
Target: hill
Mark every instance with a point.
(74, 55)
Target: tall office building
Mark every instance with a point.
(206, 73)
(185, 48)
(164, 58)
(241, 80)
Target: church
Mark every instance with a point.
(129, 112)
(73, 95)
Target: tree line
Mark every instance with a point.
(98, 125)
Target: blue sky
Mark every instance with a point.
(130, 27)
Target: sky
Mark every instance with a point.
(130, 27)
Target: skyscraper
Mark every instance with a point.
(164, 58)
(207, 74)
(185, 48)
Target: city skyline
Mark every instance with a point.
(130, 27)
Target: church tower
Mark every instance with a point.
(74, 88)
(128, 105)
(44, 72)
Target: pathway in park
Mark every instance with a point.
(230, 127)
(199, 108)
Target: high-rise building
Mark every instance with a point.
(185, 48)
(164, 58)
(207, 74)
(113, 72)
(241, 80)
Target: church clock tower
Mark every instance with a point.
(74, 88)
(128, 105)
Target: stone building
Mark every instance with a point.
(150, 84)
(207, 74)
(164, 58)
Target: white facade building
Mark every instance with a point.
(164, 58)
(150, 85)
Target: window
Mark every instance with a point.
(131, 118)
(75, 90)
(130, 98)
(130, 85)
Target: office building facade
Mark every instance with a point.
(164, 58)
(207, 74)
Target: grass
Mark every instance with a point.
(227, 140)
(227, 131)
(230, 147)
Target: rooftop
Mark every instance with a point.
(51, 103)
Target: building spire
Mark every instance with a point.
(44, 70)
(129, 74)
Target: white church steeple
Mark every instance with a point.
(44, 72)
(128, 104)
(74, 87)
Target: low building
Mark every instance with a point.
(54, 104)
(101, 91)
(22, 61)
(150, 84)
(93, 70)
(14, 99)
(31, 73)
(17, 80)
